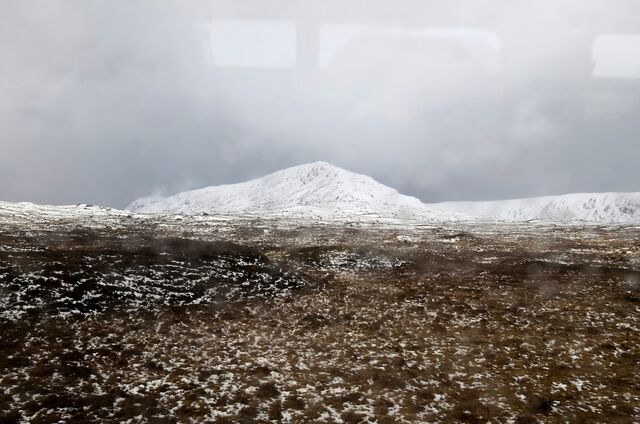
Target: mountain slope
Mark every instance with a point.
(606, 208)
(321, 190)
(316, 188)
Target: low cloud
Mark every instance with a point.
(104, 102)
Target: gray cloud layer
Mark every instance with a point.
(104, 101)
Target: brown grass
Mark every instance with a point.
(522, 324)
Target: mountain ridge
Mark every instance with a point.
(607, 207)
(321, 189)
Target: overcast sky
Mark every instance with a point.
(106, 101)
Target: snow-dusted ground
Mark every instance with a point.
(322, 191)
(112, 316)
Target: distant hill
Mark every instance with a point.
(320, 189)
(605, 208)
(316, 188)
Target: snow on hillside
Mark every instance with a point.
(605, 208)
(17, 210)
(321, 190)
(312, 189)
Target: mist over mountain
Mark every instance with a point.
(490, 100)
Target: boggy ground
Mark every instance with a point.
(461, 323)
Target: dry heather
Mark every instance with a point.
(257, 322)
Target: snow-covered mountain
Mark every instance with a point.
(314, 189)
(605, 208)
(322, 190)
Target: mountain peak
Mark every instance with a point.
(317, 186)
(318, 165)
(314, 170)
